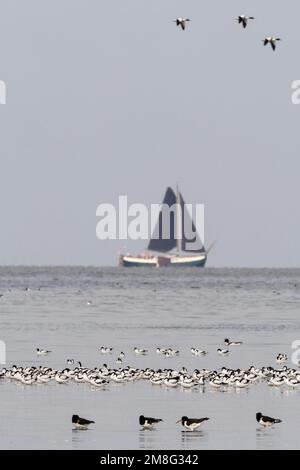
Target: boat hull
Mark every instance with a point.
(198, 261)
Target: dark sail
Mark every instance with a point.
(189, 235)
(158, 242)
(164, 237)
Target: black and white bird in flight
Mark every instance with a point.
(243, 19)
(266, 420)
(181, 22)
(192, 424)
(272, 41)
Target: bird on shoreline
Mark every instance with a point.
(266, 420)
(81, 423)
(243, 19)
(148, 423)
(181, 22)
(272, 41)
(232, 343)
(42, 352)
(192, 424)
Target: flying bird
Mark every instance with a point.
(181, 22)
(148, 423)
(192, 424)
(272, 41)
(242, 19)
(266, 420)
(81, 423)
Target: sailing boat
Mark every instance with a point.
(175, 249)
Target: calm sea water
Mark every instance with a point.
(147, 308)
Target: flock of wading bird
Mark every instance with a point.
(224, 379)
(191, 424)
(243, 20)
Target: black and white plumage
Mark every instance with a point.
(181, 22)
(243, 19)
(42, 352)
(232, 343)
(272, 41)
(266, 420)
(81, 423)
(105, 350)
(281, 358)
(223, 352)
(148, 423)
(140, 351)
(192, 424)
(198, 352)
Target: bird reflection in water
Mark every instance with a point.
(190, 439)
(265, 437)
(148, 439)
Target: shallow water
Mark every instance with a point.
(147, 308)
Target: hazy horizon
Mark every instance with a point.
(106, 98)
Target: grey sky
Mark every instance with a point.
(109, 97)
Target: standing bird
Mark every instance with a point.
(266, 420)
(181, 22)
(242, 19)
(148, 423)
(81, 423)
(192, 424)
(272, 41)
